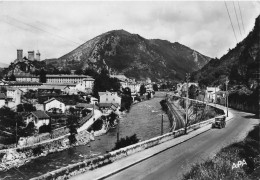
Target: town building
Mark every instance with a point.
(25, 86)
(86, 85)
(53, 104)
(109, 97)
(134, 87)
(13, 96)
(65, 78)
(107, 108)
(26, 77)
(39, 118)
(211, 93)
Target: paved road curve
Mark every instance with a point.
(173, 162)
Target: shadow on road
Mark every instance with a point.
(253, 116)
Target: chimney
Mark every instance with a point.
(31, 55)
(19, 54)
(72, 72)
(38, 56)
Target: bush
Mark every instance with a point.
(37, 150)
(97, 125)
(164, 105)
(123, 142)
(45, 128)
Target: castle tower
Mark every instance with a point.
(31, 55)
(38, 56)
(19, 54)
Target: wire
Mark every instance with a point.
(61, 37)
(230, 20)
(237, 18)
(241, 16)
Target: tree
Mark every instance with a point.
(142, 89)
(72, 110)
(123, 142)
(19, 108)
(79, 72)
(72, 124)
(29, 130)
(193, 92)
(127, 91)
(90, 72)
(104, 83)
(155, 87)
(12, 78)
(45, 128)
(43, 78)
(29, 107)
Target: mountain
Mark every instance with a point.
(240, 64)
(134, 56)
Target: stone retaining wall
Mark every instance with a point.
(19, 156)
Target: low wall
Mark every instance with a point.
(60, 132)
(19, 156)
(110, 157)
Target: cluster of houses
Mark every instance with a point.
(212, 94)
(63, 85)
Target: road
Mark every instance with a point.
(173, 162)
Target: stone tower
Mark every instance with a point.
(38, 56)
(19, 54)
(31, 55)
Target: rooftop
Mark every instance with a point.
(49, 100)
(65, 76)
(40, 114)
(85, 105)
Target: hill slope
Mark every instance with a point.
(122, 52)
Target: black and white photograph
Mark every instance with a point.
(129, 90)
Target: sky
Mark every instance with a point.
(56, 28)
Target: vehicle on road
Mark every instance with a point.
(220, 122)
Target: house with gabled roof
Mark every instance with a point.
(54, 105)
(39, 118)
(109, 97)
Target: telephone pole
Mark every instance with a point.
(162, 126)
(187, 100)
(227, 94)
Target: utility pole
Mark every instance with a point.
(16, 131)
(162, 126)
(117, 134)
(215, 99)
(227, 94)
(187, 100)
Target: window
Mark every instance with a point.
(106, 99)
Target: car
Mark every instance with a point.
(220, 122)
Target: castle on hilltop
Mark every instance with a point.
(31, 56)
